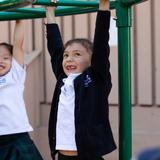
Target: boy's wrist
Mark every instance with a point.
(50, 15)
(104, 5)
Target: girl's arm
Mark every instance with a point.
(18, 53)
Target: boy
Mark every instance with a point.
(79, 127)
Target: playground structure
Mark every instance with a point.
(10, 11)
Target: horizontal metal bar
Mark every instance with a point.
(10, 4)
(68, 3)
(32, 13)
(28, 13)
(132, 2)
(80, 3)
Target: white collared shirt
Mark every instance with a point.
(65, 128)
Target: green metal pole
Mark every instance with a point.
(10, 4)
(124, 66)
(78, 3)
(64, 8)
(131, 2)
(32, 13)
(68, 3)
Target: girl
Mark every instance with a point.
(15, 143)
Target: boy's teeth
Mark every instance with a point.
(71, 67)
(1, 67)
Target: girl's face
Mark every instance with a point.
(5, 60)
(75, 59)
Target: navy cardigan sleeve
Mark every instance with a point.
(100, 58)
(55, 48)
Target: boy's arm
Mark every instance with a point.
(18, 53)
(50, 15)
(54, 42)
(100, 58)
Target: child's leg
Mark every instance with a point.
(18, 147)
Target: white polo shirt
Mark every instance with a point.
(13, 116)
(65, 128)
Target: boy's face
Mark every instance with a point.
(75, 59)
(5, 60)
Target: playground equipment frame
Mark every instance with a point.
(123, 20)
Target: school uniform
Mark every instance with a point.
(15, 142)
(93, 133)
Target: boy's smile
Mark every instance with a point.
(5, 61)
(70, 67)
(75, 59)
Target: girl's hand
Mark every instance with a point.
(19, 31)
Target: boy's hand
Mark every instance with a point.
(50, 9)
(104, 5)
(50, 13)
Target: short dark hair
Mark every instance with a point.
(8, 46)
(87, 44)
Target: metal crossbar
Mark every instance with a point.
(82, 3)
(10, 4)
(132, 2)
(32, 13)
(64, 10)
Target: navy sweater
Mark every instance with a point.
(92, 128)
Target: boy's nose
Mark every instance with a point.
(70, 58)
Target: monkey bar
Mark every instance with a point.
(82, 3)
(6, 4)
(32, 13)
(10, 4)
(132, 2)
(64, 8)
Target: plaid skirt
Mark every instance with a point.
(18, 147)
